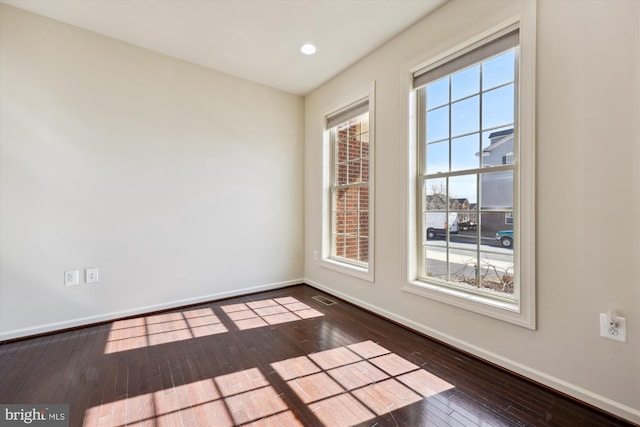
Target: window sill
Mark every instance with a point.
(507, 311)
(364, 273)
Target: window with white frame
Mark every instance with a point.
(472, 164)
(349, 184)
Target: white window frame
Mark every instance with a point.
(520, 311)
(361, 271)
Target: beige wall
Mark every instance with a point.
(588, 198)
(179, 183)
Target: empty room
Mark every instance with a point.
(320, 212)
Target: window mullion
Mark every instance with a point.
(421, 168)
(478, 183)
(471, 171)
(447, 228)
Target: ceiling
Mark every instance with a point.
(258, 40)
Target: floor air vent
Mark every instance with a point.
(324, 300)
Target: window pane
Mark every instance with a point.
(435, 194)
(499, 70)
(364, 164)
(438, 124)
(465, 83)
(351, 223)
(353, 176)
(467, 235)
(364, 199)
(497, 271)
(353, 147)
(465, 116)
(464, 152)
(497, 147)
(468, 219)
(364, 138)
(338, 245)
(435, 225)
(438, 93)
(351, 248)
(364, 250)
(351, 200)
(341, 150)
(339, 222)
(497, 107)
(341, 174)
(463, 266)
(437, 157)
(496, 189)
(495, 136)
(364, 123)
(355, 126)
(363, 224)
(339, 199)
(342, 130)
(462, 191)
(435, 262)
(495, 233)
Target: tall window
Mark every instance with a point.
(471, 170)
(468, 172)
(350, 157)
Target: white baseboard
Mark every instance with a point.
(105, 317)
(602, 402)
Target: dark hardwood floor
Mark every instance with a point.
(279, 358)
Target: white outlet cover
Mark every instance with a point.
(621, 328)
(71, 277)
(91, 275)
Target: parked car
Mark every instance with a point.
(505, 237)
(467, 225)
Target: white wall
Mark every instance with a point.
(588, 198)
(179, 183)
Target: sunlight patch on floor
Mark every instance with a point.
(257, 314)
(354, 384)
(342, 386)
(164, 328)
(131, 334)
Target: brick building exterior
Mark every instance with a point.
(351, 190)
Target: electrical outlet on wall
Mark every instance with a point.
(91, 275)
(71, 277)
(613, 327)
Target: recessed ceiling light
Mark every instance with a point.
(308, 49)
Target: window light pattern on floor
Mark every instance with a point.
(131, 334)
(340, 387)
(257, 314)
(353, 384)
